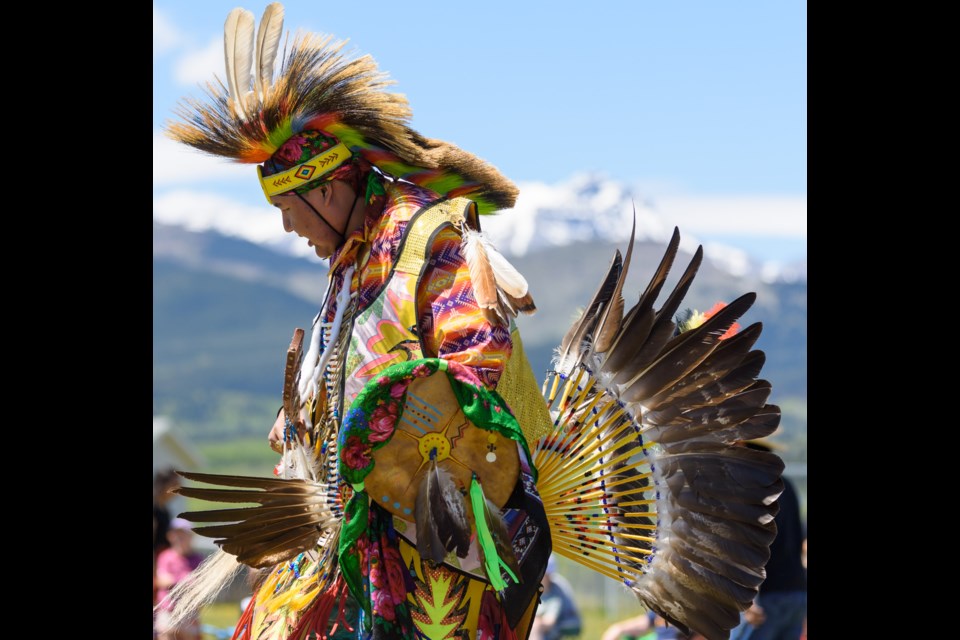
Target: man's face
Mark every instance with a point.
(298, 217)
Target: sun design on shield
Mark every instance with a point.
(423, 419)
(432, 426)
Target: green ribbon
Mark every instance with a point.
(491, 560)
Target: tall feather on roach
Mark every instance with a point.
(238, 44)
(268, 43)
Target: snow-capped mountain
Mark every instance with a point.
(590, 208)
(585, 208)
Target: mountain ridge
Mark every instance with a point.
(585, 208)
(225, 309)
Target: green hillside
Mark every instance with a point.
(223, 317)
(219, 345)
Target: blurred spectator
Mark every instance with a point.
(780, 610)
(646, 626)
(163, 482)
(173, 565)
(558, 615)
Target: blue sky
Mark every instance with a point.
(699, 106)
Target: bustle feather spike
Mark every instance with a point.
(609, 322)
(672, 507)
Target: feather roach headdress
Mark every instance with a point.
(319, 89)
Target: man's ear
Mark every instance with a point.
(326, 193)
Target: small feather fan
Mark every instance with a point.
(642, 476)
(292, 516)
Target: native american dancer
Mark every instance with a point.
(425, 476)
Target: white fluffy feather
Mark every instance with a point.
(505, 274)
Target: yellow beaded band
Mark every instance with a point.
(303, 173)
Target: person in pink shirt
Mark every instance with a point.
(173, 565)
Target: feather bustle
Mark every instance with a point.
(683, 353)
(636, 325)
(273, 550)
(720, 563)
(688, 523)
(724, 370)
(292, 516)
